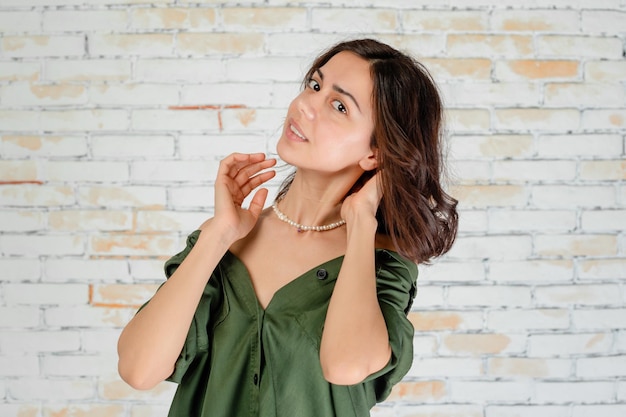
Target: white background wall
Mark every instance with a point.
(114, 114)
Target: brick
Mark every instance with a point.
(489, 296)
(481, 94)
(471, 172)
(601, 367)
(134, 94)
(21, 146)
(444, 69)
(40, 46)
(602, 268)
(20, 269)
(568, 196)
(132, 146)
(84, 20)
(536, 119)
(22, 94)
(78, 365)
(531, 270)
(536, 21)
(116, 389)
(451, 367)
(133, 44)
(478, 45)
(603, 170)
(527, 411)
(163, 18)
(608, 410)
(542, 220)
(147, 269)
(605, 71)
(492, 247)
(129, 245)
(174, 120)
(77, 410)
(18, 317)
(468, 120)
(87, 316)
(45, 294)
(528, 367)
(417, 45)
(429, 296)
(482, 196)
(301, 44)
(604, 119)
(19, 120)
(225, 94)
(142, 410)
(496, 146)
(255, 19)
(569, 146)
(155, 221)
(96, 220)
(21, 410)
(25, 195)
(609, 22)
(174, 171)
(22, 3)
(575, 245)
(526, 320)
(599, 319)
(621, 391)
(129, 295)
(424, 345)
(419, 391)
(66, 269)
(563, 392)
(564, 295)
(122, 196)
(20, 71)
(81, 120)
(473, 221)
(99, 340)
(172, 70)
(490, 391)
(20, 170)
(452, 272)
(569, 344)
(21, 221)
(51, 389)
(447, 21)
(354, 20)
(35, 245)
(429, 321)
(88, 70)
(583, 95)
(20, 22)
(202, 146)
(478, 344)
(524, 70)
(189, 44)
(579, 46)
(534, 171)
(19, 366)
(86, 171)
(443, 410)
(604, 220)
(21, 342)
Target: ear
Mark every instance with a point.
(370, 161)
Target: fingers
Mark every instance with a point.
(257, 203)
(233, 163)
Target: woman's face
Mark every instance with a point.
(330, 123)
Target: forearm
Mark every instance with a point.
(355, 342)
(152, 341)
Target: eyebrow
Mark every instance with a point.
(339, 89)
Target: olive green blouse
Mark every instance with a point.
(241, 360)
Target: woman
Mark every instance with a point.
(300, 309)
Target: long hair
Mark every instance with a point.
(415, 211)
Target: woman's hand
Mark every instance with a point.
(363, 202)
(237, 176)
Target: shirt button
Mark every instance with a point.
(322, 274)
(255, 379)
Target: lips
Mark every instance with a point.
(295, 130)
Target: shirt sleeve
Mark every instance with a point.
(396, 285)
(197, 338)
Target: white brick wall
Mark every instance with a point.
(115, 113)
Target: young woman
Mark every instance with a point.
(300, 309)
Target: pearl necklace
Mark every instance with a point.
(303, 228)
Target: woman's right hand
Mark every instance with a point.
(237, 176)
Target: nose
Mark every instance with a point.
(306, 106)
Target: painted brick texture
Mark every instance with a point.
(115, 113)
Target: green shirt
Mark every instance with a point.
(241, 360)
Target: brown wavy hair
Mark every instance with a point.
(415, 211)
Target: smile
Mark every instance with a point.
(296, 132)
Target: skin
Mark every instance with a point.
(334, 114)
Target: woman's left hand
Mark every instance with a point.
(363, 202)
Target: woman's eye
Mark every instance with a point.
(313, 84)
(338, 105)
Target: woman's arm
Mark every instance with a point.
(152, 341)
(355, 342)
